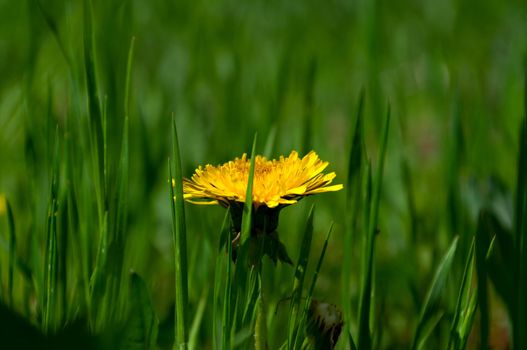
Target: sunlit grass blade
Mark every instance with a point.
(429, 313)
(462, 311)
(180, 244)
(466, 325)
(300, 273)
(371, 218)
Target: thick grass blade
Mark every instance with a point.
(180, 245)
(429, 308)
(142, 327)
(365, 341)
(260, 328)
(300, 272)
(520, 316)
(364, 336)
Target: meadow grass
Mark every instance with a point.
(420, 109)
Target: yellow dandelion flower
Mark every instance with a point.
(277, 183)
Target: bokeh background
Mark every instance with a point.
(451, 71)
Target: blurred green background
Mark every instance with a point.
(292, 71)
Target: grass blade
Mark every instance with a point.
(520, 317)
(198, 318)
(141, 330)
(12, 250)
(353, 193)
(304, 315)
(180, 245)
(227, 309)
(300, 272)
(365, 341)
(219, 277)
(428, 309)
(242, 295)
(463, 303)
(248, 205)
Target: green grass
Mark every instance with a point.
(425, 247)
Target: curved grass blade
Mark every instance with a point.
(300, 272)
(428, 315)
(463, 302)
(303, 318)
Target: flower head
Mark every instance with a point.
(276, 183)
(324, 324)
